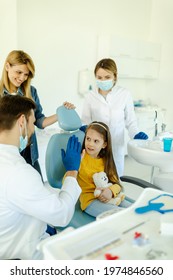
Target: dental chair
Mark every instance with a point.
(70, 122)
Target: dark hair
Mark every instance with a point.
(12, 107)
(106, 153)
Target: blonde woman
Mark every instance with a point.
(16, 79)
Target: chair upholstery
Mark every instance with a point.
(70, 122)
(55, 169)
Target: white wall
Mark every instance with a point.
(8, 28)
(161, 31)
(61, 36)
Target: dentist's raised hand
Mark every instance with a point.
(72, 157)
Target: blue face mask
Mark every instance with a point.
(23, 143)
(23, 140)
(105, 85)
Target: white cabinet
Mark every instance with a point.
(122, 47)
(148, 50)
(147, 69)
(134, 59)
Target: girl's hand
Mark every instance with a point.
(105, 195)
(69, 105)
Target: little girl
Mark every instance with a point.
(97, 157)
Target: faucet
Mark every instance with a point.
(155, 135)
(163, 126)
(156, 124)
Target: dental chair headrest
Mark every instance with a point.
(68, 119)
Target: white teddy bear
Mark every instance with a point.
(101, 181)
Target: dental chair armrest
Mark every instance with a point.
(139, 182)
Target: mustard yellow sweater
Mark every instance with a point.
(88, 167)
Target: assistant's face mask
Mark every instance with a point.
(105, 85)
(23, 140)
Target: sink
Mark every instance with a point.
(151, 153)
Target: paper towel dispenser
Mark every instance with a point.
(86, 81)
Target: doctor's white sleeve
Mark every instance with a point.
(130, 118)
(29, 196)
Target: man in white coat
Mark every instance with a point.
(26, 205)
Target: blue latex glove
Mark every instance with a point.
(72, 157)
(141, 135)
(83, 128)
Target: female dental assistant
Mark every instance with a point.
(16, 79)
(112, 105)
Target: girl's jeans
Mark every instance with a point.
(97, 207)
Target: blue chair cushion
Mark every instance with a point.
(70, 122)
(55, 169)
(68, 119)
